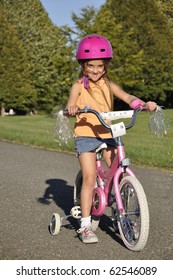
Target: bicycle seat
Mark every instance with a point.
(102, 146)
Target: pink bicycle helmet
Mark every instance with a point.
(94, 46)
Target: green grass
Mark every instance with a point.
(141, 146)
(33, 130)
(147, 149)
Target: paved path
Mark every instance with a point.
(34, 183)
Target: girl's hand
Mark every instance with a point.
(137, 103)
(72, 110)
(152, 106)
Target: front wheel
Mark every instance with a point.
(134, 223)
(77, 192)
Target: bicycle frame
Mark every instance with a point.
(112, 175)
(120, 163)
(130, 214)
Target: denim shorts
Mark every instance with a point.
(90, 144)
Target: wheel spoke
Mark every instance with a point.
(135, 212)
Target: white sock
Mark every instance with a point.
(85, 222)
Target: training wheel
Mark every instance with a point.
(76, 212)
(55, 224)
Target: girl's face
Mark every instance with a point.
(94, 69)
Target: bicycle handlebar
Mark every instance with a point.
(112, 128)
(98, 115)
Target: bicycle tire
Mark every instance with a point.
(133, 233)
(77, 191)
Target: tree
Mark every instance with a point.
(151, 33)
(140, 35)
(17, 91)
(38, 62)
(85, 20)
(43, 44)
(166, 6)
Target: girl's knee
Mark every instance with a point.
(89, 180)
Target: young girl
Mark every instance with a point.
(93, 88)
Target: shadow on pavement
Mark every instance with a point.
(62, 194)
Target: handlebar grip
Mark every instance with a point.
(144, 108)
(65, 112)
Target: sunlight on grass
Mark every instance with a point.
(141, 146)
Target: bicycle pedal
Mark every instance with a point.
(76, 212)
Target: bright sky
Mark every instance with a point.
(60, 11)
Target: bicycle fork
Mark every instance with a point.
(117, 189)
(123, 168)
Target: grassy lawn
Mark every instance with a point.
(141, 146)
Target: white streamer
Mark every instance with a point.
(157, 122)
(62, 131)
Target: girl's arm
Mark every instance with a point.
(121, 94)
(74, 94)
(128, 98)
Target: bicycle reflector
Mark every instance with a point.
(118, 129)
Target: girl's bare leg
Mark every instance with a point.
(88, 166)
(109, 155)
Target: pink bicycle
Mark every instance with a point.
(116, 187)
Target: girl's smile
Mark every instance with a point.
(95, 69)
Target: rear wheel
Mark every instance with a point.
(134, 224)
(77, 192)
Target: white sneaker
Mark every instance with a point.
(86, 235)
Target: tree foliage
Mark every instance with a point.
(46, 48)
(17, 90)
(37, 61)
(141, 35)
(166, 7)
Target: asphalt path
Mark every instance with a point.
(34, 183)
